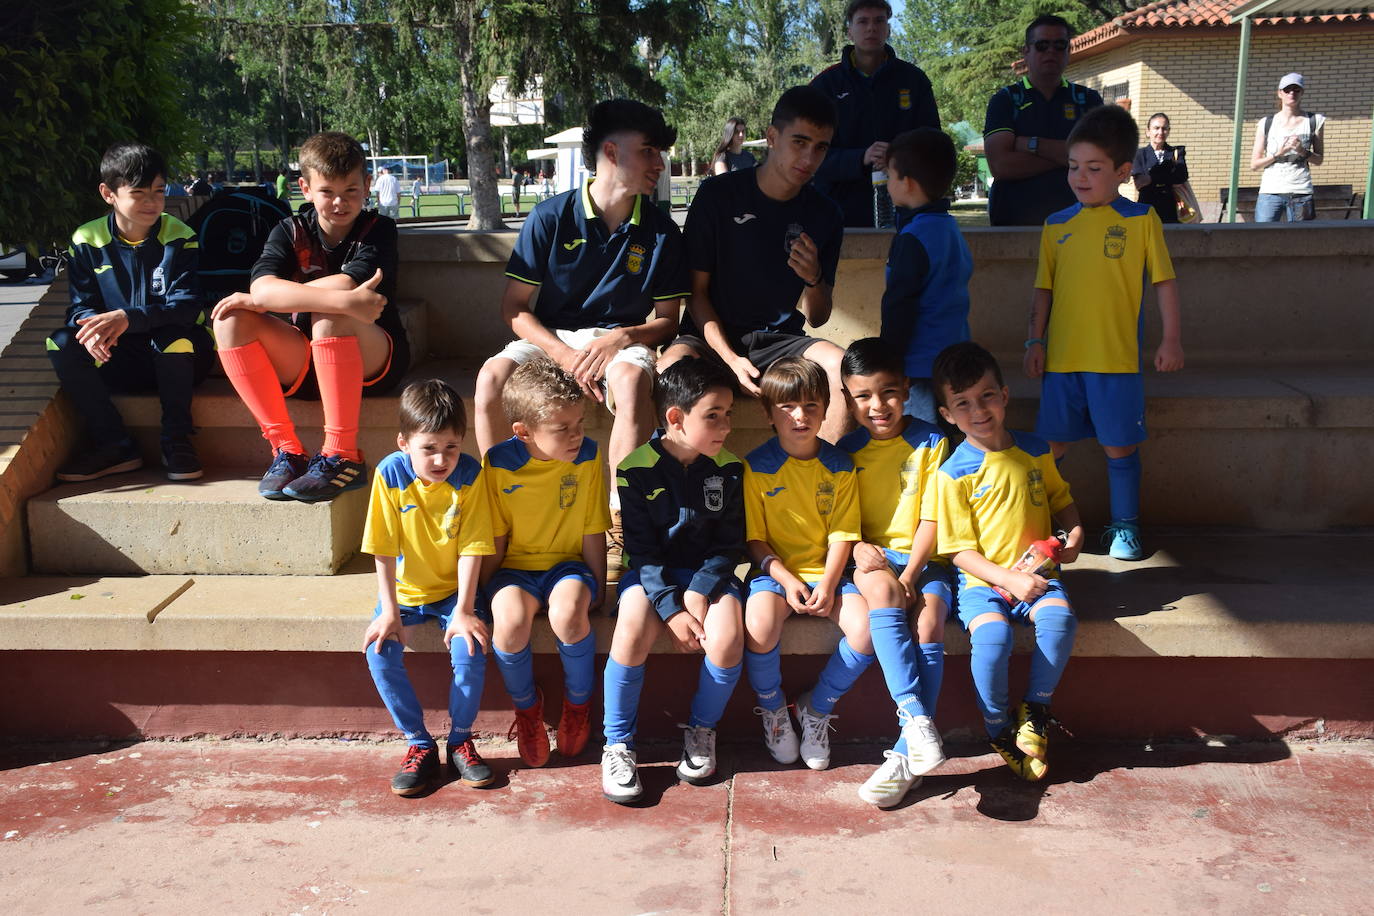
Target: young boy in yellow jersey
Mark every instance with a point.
(549, 516)
(684, 536)
(998, 492)
(1084, 334)
(895, 460)
(801, 508)
(429, 526)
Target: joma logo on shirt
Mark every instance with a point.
(572, 246)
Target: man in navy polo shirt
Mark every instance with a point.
(596, 280)
(763, 245)
(877, 96)
(1026, 126)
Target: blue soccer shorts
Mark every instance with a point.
(982, 599)
(1107, 406)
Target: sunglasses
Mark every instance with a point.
(1045, 44)
(1291, 90)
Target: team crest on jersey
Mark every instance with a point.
(825, 497)
(1114, 242)
(1035, 484)
(450, 522)
(1070, 111)
(634, 259)
(904, 99)
(567, 491)
(159, 284)
(909, 475)
(713, 493)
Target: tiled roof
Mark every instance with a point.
(1189, 14)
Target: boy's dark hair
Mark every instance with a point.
(856, 5)
(960, 366)
(622, 116)
(536, 389)
(132, 164)
(1111, 129)
(432, 407)
(804, 103)
(686, 381)
(793, 378)
(331, 154)
(927, 155)
(871, 356)
(1050, 20)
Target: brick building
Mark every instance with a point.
(1180, 56)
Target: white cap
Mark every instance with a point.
(1292, 79)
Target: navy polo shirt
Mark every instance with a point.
(589, 277)
(1021, 109)
(742, 238)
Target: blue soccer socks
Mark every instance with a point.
(465, 693)
(989, 657)
(1123, 479)
(931, 664)
(579, 668)
(388, 670)
(897, 656)
(622, 685)
(838, 676)
(714, 687)
(765, 676)
(1055, 626)
(517, 671)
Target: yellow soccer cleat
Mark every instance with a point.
(1032, 728)
(1028, 768)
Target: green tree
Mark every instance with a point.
(80, 75)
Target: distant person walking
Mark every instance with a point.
(415, 197)
(283, 191)
(1158, 168)
(517, 182)
(388, 193)
(1287, 145)
(730, 155)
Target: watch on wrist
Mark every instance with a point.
(1033, 146)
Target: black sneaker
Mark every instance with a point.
(179, 458)
(467, 766)
(286, 467)
(326, 478)
(117, 458)
(418, 771)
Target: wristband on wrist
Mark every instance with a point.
(763, 564)
(1034, 340)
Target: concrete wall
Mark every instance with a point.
(1190, 74)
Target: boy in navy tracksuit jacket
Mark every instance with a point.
(925, 305)
(683, 514)
(135, 321)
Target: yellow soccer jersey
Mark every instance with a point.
(1094, 260)
(896, 481)
(800, 507)
(428, 526)
(998, 502)
(546, 507)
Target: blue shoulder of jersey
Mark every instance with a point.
(834, 459)
(1030, 443)
(966, 460)
(1129, 208)
(920, 433)
(395, 470)
(465, 473)
(1063, 216)
(510, 455)
(587, 452)
(854, 441)
(767, 458)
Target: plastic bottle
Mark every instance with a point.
(1038, 559)
(884, 216)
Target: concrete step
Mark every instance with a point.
(1235, 633)
(143, 523)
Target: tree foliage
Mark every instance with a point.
(80, 75)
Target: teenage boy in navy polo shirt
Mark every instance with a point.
(877, 96)
(1026, 126)
(763, 245)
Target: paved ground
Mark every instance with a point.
(309, 827)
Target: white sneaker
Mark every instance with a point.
(924, 749)
(890, 782)
(778, 734)
(815, 734)
(620, 774)
(698, 761)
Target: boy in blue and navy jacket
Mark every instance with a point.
(925, 305)
(135, 321)
(682, 507)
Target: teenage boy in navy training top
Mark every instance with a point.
(763, 245)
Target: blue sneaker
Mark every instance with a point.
(1124, 538)
(326, 478)
(286, 467)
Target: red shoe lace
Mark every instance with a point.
(467, 751)
(415, 757)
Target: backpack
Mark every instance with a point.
(232, 227)
(1312, 126)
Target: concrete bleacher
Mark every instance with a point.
(1259, 521)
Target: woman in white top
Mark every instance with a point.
(1287, 145)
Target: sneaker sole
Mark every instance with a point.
(411, 792)
(124, 467)
(695, 779)
(475, 784)
(628, 800)
(185, 475)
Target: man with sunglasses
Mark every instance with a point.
(1025, 128)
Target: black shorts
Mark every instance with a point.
(762, 348)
